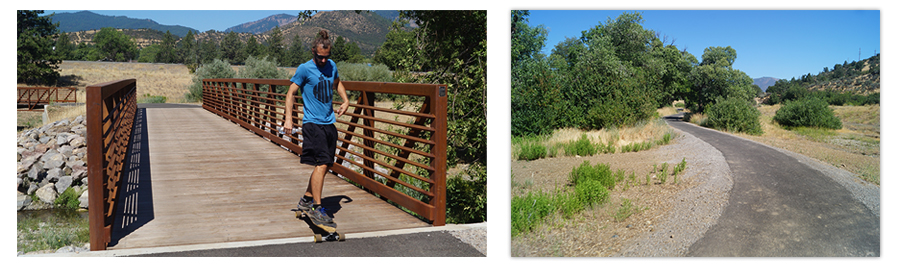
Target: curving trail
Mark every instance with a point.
(780, 207)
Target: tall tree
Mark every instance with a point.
(167, 52)
(187, 49)
(715, 80)
(398, 43)
(64, 47)
(36, 63)
(253, 47)
(232, 48)
(114, 45)
(297, 53)
(275, 48)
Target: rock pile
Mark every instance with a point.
(50, 160)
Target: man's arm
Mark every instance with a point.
(289, 107)
(343, 93)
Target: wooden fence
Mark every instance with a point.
(111, 108)
(31, 97)
(397, 154)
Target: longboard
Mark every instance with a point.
(330, 233)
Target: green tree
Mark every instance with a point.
(398, 43)
(338, 52)
(297, 53)
(252, 48)
(187, 49)
(232, 48)
(148, 53)
(715, 80)
(36, 63)
(64, 47)
(526, 41)
(209, 51)
(167, 53)
(114, 45)
(275, 45)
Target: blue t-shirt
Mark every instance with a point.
(315, 87)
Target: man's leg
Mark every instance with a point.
(316, 180)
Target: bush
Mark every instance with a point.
(68, 199)
(599, 173)
(217, 69)
(467, 196)
(531, 150)
(364, 72)
(581, 147)
(807, 112)
(527, 211)
(264, 69)
(734, 115)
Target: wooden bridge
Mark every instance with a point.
(185, 174)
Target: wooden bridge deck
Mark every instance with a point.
(194, 177)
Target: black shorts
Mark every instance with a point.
(319, 143)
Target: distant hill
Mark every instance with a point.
(764, 82)
(263, 25)
(857, 77)
(367, 29)
(86, 20)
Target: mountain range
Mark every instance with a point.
(764, 82)
(367, 29)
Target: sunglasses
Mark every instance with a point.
(320, 57)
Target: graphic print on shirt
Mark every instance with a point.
(323, 90)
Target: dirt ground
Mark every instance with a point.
(595, 232)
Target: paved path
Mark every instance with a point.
(780, 207)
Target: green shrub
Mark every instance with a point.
(68, 199)
(530, 148)
(527, 211)
(807, 112)
(734, 115)
(264, 69)
(364, 72)
(467, 196)
(581, 147)
(147, 98)
(217, 69)
(600, 173)
(590, 192)
(567, 203)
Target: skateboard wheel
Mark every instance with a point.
(341, 237)
(317, 238)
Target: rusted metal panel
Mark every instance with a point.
(110, 112)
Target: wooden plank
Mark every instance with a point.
(211, 181)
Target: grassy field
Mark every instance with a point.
(855, 148)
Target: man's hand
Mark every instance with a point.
(340, 111)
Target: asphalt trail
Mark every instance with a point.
(779, 207)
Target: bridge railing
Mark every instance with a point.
(31, 97)
(398, 153)
(111, 108)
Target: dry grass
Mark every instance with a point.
(642, 132)
(168, 80)
(854, 148)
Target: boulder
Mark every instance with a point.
(78, 142)
(83, 199)
(47, 193)
(54, 174)
(22, 200)
(36, 173)
(62, 139)
(79, 172)
(31, 189)
(55, 161)
(66, 150)
(64, 183)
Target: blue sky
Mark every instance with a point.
(201, 20)
(780, 44)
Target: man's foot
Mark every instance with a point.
(304, 204)
(319, 217)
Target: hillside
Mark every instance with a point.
(263, 25)
(764, 82)
(86, 20)
(858, 77)
(367, 29)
